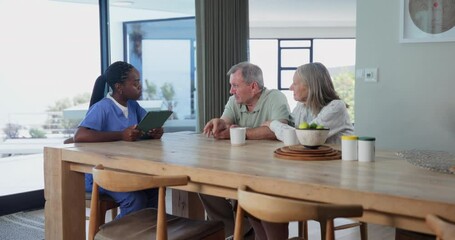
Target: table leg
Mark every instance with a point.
(64, 195)
(187, 204)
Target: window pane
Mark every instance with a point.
(160, 43)
(334, 52)
(294, 57)
(338, 55)
(175, 71)
(286, 78)
(50, 60)
(264, 54)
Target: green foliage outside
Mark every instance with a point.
(59, 105)
(69, 125)
(56, 120)
(150, 90)
(168, 92)
(344, 84)
(37, 133)
(64, 103)
(81, 98)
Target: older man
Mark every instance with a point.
(250, 105)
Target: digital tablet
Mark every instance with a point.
(153, 119)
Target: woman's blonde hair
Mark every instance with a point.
(320, 87)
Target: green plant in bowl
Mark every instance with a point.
(304, 125)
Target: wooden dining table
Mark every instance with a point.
(391, 191)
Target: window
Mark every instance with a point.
(159, 40)
(50, 60)
(338, 55)
(167, 48)
(279, 58)
(292, 53)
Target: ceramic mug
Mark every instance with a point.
(238, 136)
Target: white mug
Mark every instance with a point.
(238, 136)
(290, 137)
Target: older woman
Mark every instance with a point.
(318, 103)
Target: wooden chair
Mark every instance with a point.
(147, 223)
(281, 210)
(105, 202)
(363, 226)
(443, 229)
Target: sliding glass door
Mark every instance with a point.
(50, 58)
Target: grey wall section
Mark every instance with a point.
(412, 106)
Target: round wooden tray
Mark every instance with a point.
(299, 152)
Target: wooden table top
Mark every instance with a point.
(388, 188)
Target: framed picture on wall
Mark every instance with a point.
(427, 21)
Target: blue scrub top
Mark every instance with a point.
(106, 116)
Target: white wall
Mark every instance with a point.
(302, 32)
(412, 106)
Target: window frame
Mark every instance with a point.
(280, 51)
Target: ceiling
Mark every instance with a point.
(267, 13)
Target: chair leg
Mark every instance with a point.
(114, 213)
(94, 213)
(330, 229)
(102, 212)
(327, 230)
(323, 228)
(363, 231)
(104, 207)
(238, 229)
(161, 225)
(303, 229)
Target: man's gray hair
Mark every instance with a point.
(250, 73)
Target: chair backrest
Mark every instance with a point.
(443, 229)
(120, 181)
(280, 210)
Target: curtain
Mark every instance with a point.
(222, 31)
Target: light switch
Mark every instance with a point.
(371, 75)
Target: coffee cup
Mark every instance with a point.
(238, 136)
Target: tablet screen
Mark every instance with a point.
(153, 119)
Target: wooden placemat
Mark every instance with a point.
(303, 149)
(299, 152)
